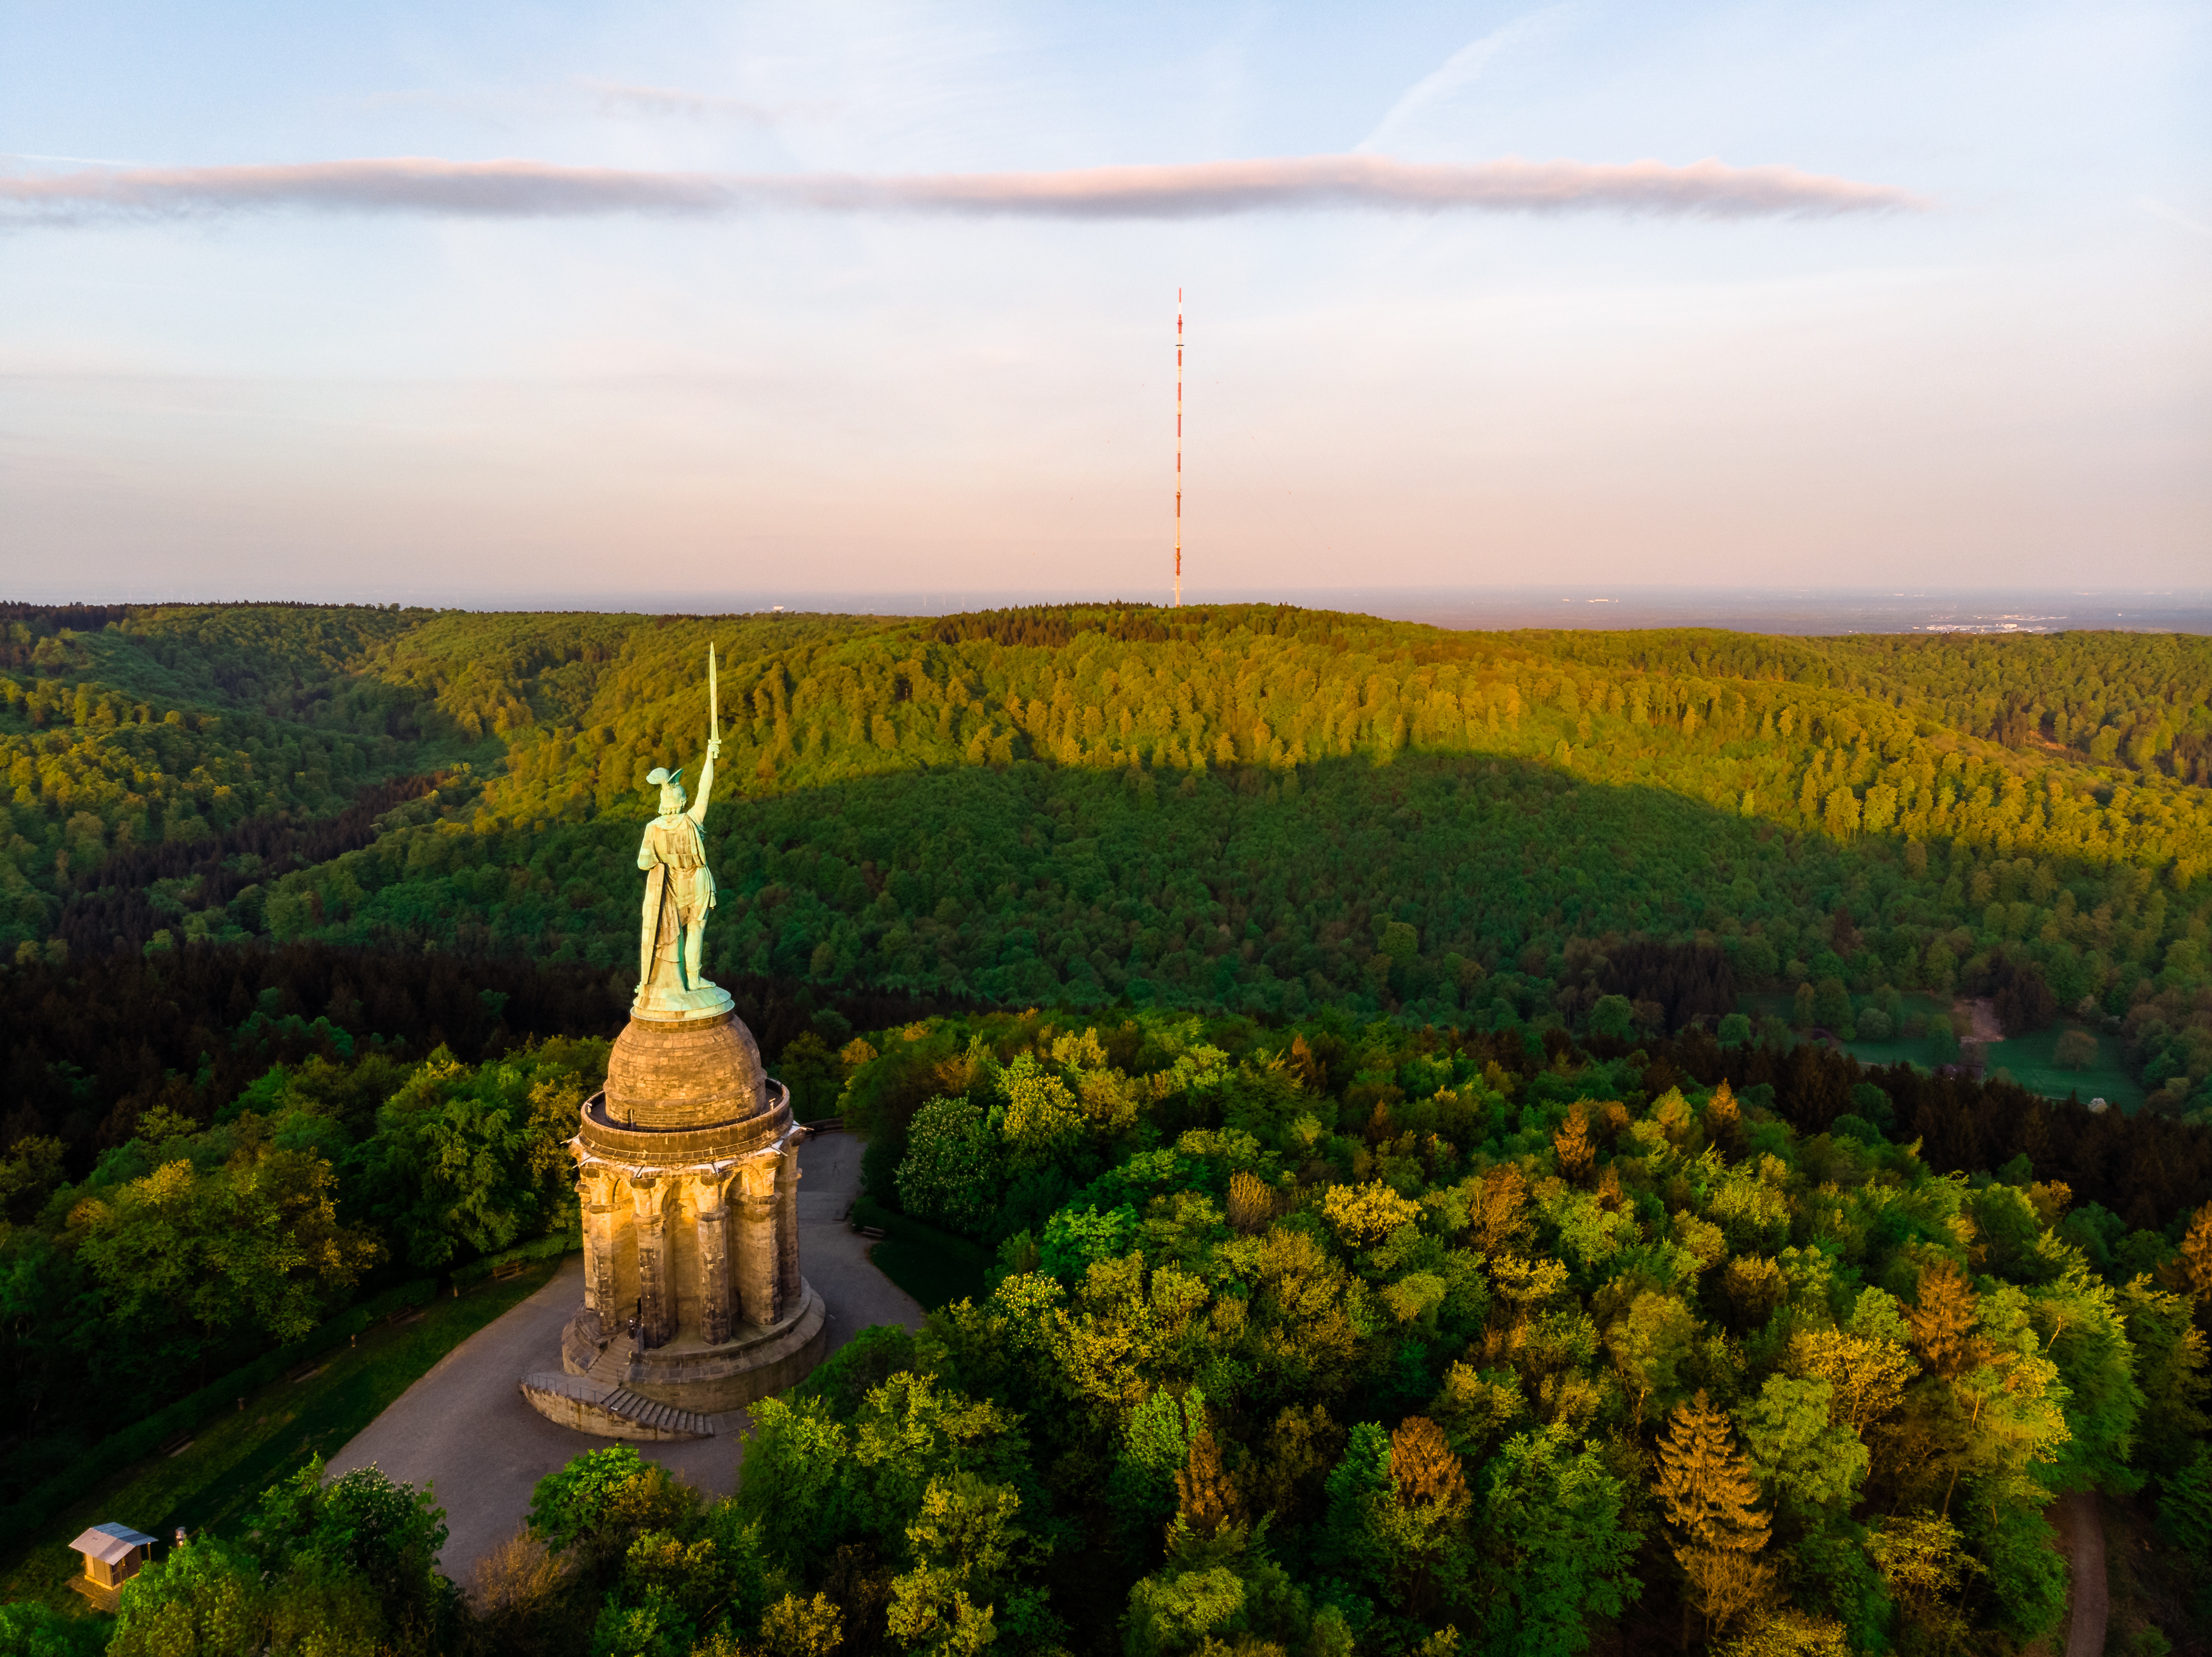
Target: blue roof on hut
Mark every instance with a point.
(110, 1543)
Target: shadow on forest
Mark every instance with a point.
(89, 1048)
(1452, 889)
(1491, 857)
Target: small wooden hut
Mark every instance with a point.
(112, 1554)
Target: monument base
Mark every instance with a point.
(659, 1004)
(603, 1384)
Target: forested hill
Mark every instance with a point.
(1253, 809)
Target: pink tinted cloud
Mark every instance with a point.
(524, 189)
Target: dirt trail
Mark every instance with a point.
(1976, 1020)
(2085, 1530)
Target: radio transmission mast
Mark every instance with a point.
(1178, 549)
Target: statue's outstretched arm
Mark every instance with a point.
(698, 812)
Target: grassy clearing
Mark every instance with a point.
(214, 1481)
(2029, 1058)
(1898, 1050)
(936, 1267)
(1916, 1053)
(935, 1277)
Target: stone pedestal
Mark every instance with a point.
(688, 1167)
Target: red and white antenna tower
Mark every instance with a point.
(1178, 549)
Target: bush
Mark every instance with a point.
(544, 1248)
(859, 1367)
(950, 1173)
(32, 1629)
(2076, 1050)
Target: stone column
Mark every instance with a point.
(786, 1226)
(715, 1316)
(596, 1190)
(756, 1263)
(657, 1317)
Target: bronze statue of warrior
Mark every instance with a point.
(679, 887)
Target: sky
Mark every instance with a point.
(508, 304)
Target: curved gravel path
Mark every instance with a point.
(2085, 1530)
(465, 1429)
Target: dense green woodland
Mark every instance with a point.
(1437, 1218)
(118, 1065)
(1333, 1338)
(1261, 809)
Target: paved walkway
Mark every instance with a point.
(465, 1429)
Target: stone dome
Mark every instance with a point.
(697, 1073)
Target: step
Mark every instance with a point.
(610, 1411)
(650, 1413)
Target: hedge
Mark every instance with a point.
(544, 1248)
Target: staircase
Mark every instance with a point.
(663, 1418)
(600, 1400)
(610, 1409)
(612, 1364)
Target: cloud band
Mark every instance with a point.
(522, 189)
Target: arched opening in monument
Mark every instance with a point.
(623, 1304)
(683, 1268)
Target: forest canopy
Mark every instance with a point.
(1254, 808)
(1359, 1339)
(1412, 1089)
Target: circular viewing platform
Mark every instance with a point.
(624, 1142)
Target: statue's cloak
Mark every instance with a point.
(680, 890)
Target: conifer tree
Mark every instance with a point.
(1500, 1219)
(2197, 1256)
(1572, 1142)
(1206, 1501)
(1724, 1122)
(1424, 1470)
(1709, 1494)
(1944, 1320)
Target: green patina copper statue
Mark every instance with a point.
(679, 887)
